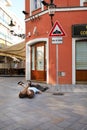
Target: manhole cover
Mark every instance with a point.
(58, 93)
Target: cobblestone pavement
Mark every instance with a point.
(47, 111)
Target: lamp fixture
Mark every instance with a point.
(24, 12)
(12, 31)
(51, 8)
(11, 23)
(19, 35)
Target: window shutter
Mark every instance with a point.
(81, 55)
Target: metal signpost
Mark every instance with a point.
(57, 34)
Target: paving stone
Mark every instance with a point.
(77, 126)
(83, 121)
(46, 111)
(84, 128)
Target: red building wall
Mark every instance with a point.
(66, 19)
(65, 49)
(67, 3)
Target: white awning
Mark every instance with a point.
(17, 50)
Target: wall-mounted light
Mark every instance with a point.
(25, 13)
(51, 8)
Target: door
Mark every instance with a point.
(38, 62)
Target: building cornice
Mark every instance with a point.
(58, 9)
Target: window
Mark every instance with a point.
(1, 14)
(40, 58)
(33, 58)
(35, 4)
(81, 55)
(82, 2)
(4, 17)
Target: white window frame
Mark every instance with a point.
(28, 62)
(32, 8)
(82, 2)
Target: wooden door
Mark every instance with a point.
(38, 62)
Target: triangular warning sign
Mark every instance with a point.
(57, 30)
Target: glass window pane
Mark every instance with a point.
(36, 4)
(81, 55)
(40, 58)
(33, 58)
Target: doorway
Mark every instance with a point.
(81, 61)
(38, 61)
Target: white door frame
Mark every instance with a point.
(73, 59)
(73, 62)
(28, 59)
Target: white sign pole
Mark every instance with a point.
(57, 64)
(57, 34)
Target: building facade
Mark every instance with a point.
(8, 37)
(56, 46)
